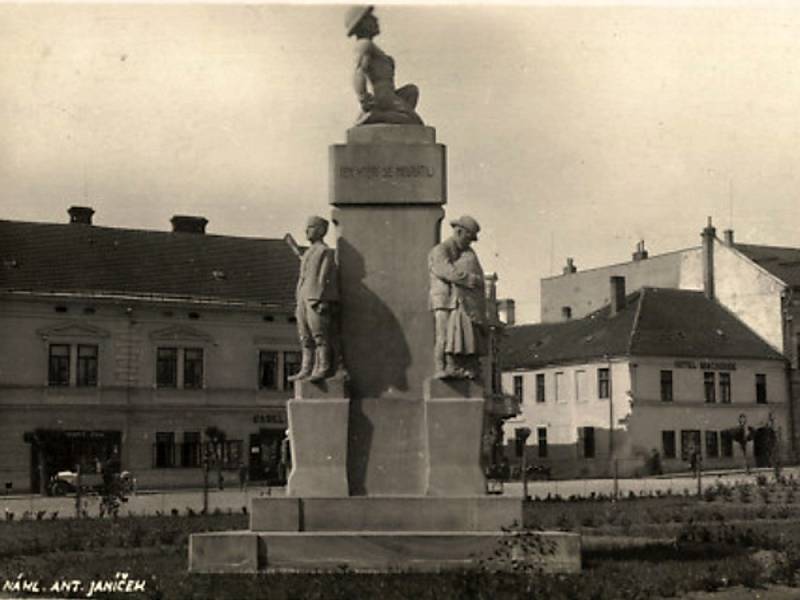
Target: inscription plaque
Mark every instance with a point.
(387, 174)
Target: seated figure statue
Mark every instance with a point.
(375, 72)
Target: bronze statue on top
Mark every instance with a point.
(375, 71)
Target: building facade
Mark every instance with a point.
(660, 372)
(130, 345)
(757, 283)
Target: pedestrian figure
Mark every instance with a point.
(243, 476)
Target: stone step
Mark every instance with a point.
(381, 551)
(386, 513)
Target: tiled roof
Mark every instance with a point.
(784, 263)
(82, 258)
(654, 322)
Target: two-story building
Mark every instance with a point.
(131, 344)
(661, 371)
(758, 283)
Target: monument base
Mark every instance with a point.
(318, 418)
(370, 551)
(454, 416)
(419, 533)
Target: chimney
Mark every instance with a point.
(708, 235)
(566, 313)
(728, 237)
(506, 311)
(617, 294)
(492, 306)
(80, 214)
(640, 253)
(570, 267)
(188, 224)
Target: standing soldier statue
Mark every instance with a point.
(317, 303)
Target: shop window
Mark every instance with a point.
(232, 457)
(710, 387)
(726, 443)
(586, 441)
(518, 391)
(666, 386)
(58, 368)
(541, 441)
(291, 365)
(268, 370)
(164, 452)
(193, 368)
(87, 365)
(603, 383)
(540, 389)
(191, 449)
(761, 388)
(690, 443)
(167, 367)
(725, 388)
(712, 444)
(668, 444)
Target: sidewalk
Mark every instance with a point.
(677, 484)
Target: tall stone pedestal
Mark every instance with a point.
(388, 187)
(387, 464)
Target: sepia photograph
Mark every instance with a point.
(454, 300)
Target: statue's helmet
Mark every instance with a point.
(354, 15)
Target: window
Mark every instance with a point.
(193, 368)
(712, 444)
(726, 439)
(761, 388)
(179, 368)
(541, 441)
(191, 448)
(668, 444)
(690, 443)
(586, 441)
(709, 387)
(518, 388)
(167, 367)
(725, 388)
(540, 389)
(58, 369)
(560, 391)
(291, 365)
(581, 393)
(164, 450)
(603, 383)
(666, 386)
(73, 364)
(268, 370)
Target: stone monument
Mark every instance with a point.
(386, 456)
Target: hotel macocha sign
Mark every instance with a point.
(705, 365)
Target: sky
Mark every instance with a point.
(570, 131)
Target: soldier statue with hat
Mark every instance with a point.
(458, 301)
(317, 303)
(373, 79)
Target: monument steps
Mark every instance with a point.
(381, 551)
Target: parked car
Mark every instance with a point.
(66, 482)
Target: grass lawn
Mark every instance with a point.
(681, 544)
